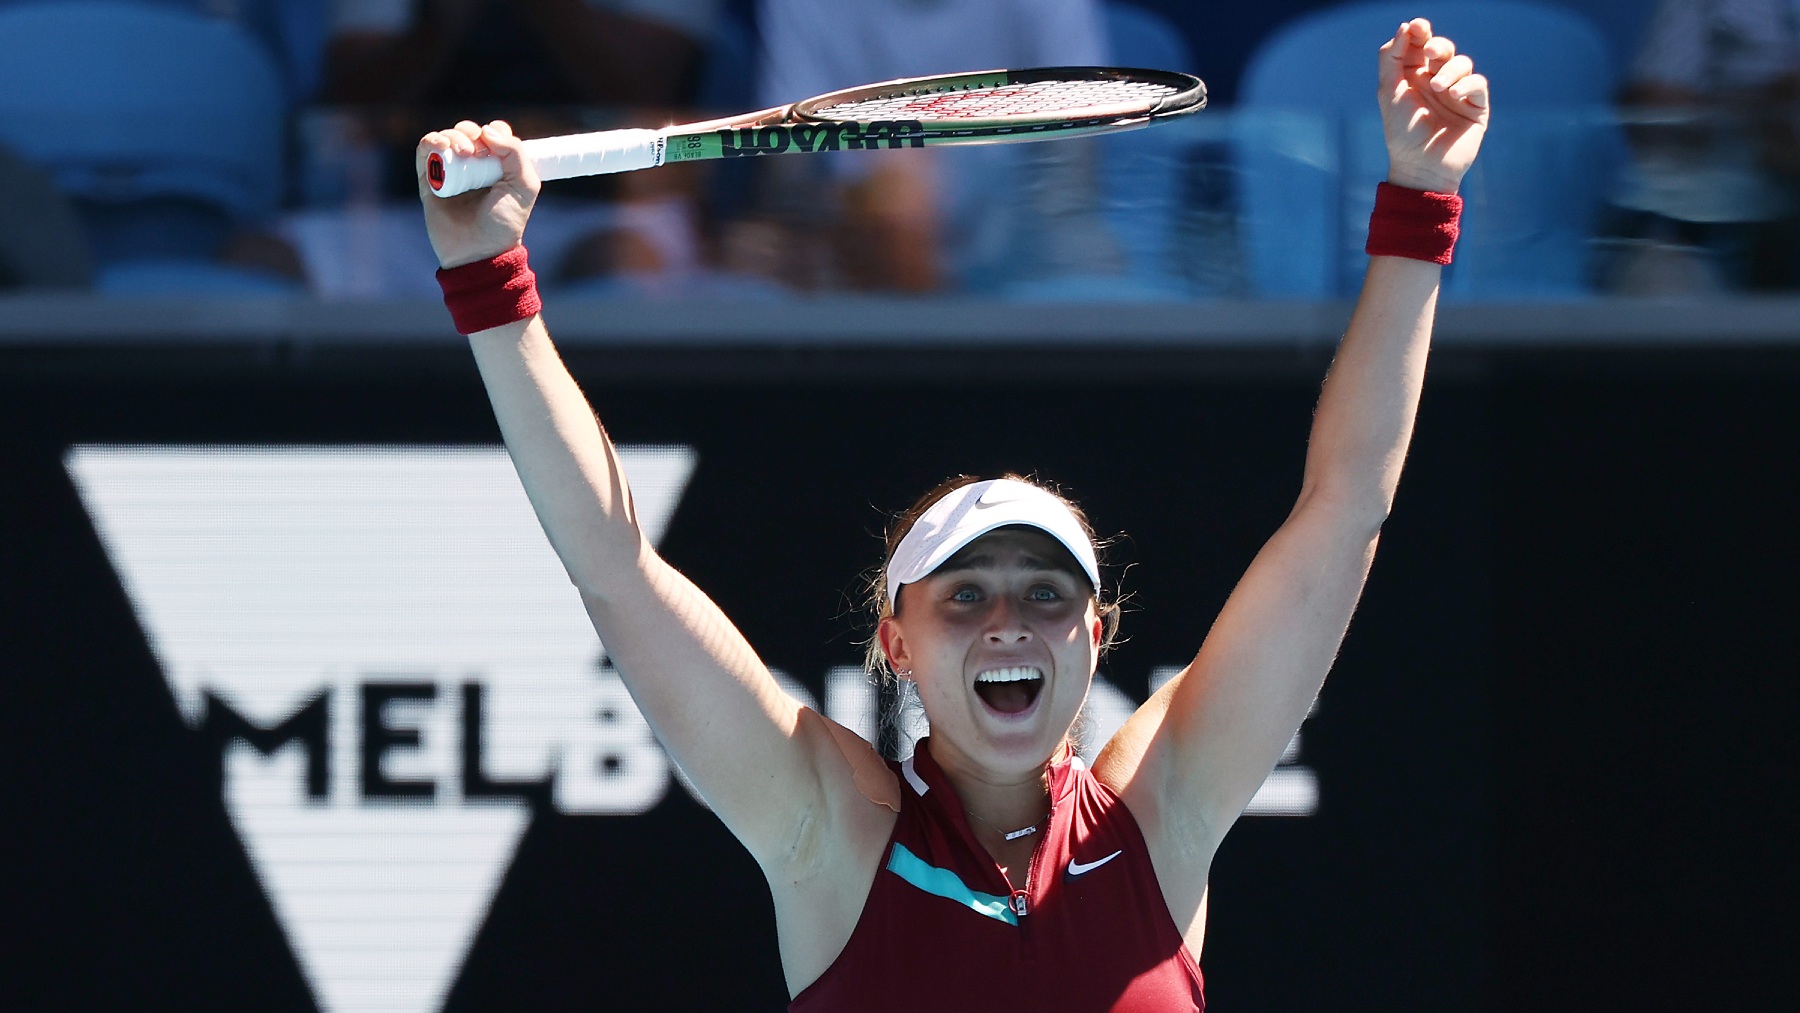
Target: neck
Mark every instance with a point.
(1004, 802)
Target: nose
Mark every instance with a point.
(1006, 623)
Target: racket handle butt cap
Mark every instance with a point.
(449, 174)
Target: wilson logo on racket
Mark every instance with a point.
(808, 137)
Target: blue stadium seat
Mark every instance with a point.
(144, 111)
(294, 32)
(1143, 38)
(1622, 23)
(727, 81)
(1141, 182)
(1311, 149)
(177, 278)
(1143, 170)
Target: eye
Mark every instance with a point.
(965, 593)
(1043, 592)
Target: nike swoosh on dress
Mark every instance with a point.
(1082, 868)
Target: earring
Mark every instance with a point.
(904, 673)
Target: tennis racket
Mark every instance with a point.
(979, 108)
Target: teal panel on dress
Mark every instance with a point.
(944, 883)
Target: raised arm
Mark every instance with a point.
(776, 773)
(1189, 761)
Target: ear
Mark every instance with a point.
(893, 644)
(1097, 630)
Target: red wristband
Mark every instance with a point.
(1413, 223)
(492, 292)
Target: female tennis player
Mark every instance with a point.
(992, 868)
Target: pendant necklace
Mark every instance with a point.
(1014, 835)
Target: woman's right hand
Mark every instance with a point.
(482, 223)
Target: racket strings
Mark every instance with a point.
(1036, 99)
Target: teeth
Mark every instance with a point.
(1019, 673)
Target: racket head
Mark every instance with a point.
(1009, 101)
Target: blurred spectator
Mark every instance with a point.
(591, 52)
(397, 68)
(41, 241)
(904, 222)
(813, 46)
(1713, 198)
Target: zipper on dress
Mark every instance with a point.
(1021, 899)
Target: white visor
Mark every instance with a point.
(974, 510)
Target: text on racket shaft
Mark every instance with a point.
(803, 137)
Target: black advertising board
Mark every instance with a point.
(302, 715)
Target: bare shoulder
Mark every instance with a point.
(869, 772)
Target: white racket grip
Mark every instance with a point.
(562, 157)
(595, 154)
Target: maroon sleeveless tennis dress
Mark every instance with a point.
(943, 930)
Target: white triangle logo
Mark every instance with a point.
(386, 590)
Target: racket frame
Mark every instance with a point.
(806, 126)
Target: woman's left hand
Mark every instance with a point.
(1434, 109)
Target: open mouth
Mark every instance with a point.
(1010, 690)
